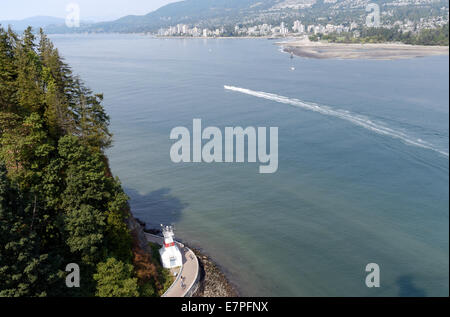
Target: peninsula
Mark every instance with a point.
(377, 51)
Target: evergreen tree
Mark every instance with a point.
(115, 279)
(24, 270)
(59, 203)
(8, 72)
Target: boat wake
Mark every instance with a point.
(359, 120)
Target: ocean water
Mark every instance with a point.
(363, 160)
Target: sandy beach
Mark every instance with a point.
(382, 51)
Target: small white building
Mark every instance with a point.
(170, 254)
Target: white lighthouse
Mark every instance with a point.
(170, 254)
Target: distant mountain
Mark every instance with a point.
(188, 11)
(35, 22)
(227, 13)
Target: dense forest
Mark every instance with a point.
(437, 36)
(59, 203)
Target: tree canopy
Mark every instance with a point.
(438, 36)
(59, 203)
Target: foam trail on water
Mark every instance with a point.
(342, 114)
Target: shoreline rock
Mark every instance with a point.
(213, 282)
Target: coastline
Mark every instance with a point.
(219, 37)
(303, 47)
(213, 281)
(376, 51)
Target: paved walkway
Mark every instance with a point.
(189, 270)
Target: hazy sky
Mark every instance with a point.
(89, 9)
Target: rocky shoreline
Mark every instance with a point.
(213, 282)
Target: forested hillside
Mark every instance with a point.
(215, 14)
(438, 36)
(59, 203)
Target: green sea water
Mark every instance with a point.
(344, 195)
